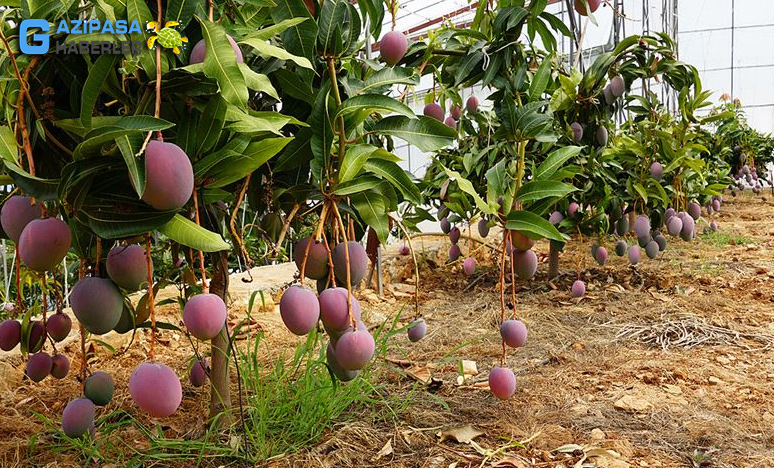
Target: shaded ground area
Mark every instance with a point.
(667, 364)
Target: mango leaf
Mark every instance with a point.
(98, 74)
(181, 11)
(271, 31)
(258, 81)
(374, 103)
(137, 10)
(110, 223)
(371, 207)
(540, 189)
(374, 9)
(265, 49)
(329, 24)
(389, 76)
(396, 176)
(555, 160)
(220, 63)
(186, 232)
(641, 191)
(541, 79)
(45, 189)
(466, 186)
(425, 133)
(533, 226)
(136, 167)
(94, 140)
(300, 38)
(8, 149)
(358, 185)
(294, 86)
(210, 125)
(354, 159)
(226, 167)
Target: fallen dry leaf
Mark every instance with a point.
(386, 450)
(462, 434)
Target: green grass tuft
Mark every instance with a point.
(288, 405)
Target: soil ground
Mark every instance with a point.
(666, 364)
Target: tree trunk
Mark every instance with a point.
(632, 220)
(220, 397)
(553, 260)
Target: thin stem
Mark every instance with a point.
(81, 274)
(232, 221)
(98, 255)
(151, 300)
(346, 260)
(201, 254)
(502, 288)
(331, 274)
(416, 265)
(337, 98)
(315, 236)
(285, 227)
(157, 110)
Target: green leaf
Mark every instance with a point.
(220, 63)
(294, 86)
(271, 31)
(137, 10)
(45, 189)
(373, 103)
(389, 76)
(298, 39)
(258, 81)
(540, 79)
(111, 222)
(466, 186)
(641, 191)
(135, 166)
(540, 189)
(94, 140)
(360, 184)
(371, 207)
(181, 11)
(329, 26)
(256, 122)
(396, 176)
(554, 161)
(268, 50)
(186, 232)
(91, 88)
(354, 160)
(8, 149)
(533, 226)
(210, 125)
(425, 133)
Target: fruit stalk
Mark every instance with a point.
(151, 300)
(232, 221)
(346, 263)
(285, 227)
(416, 265)
(331, 274)
(201, 254)
(502, 288)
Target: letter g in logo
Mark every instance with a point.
(25, 47)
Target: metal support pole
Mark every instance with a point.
(733, 4)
